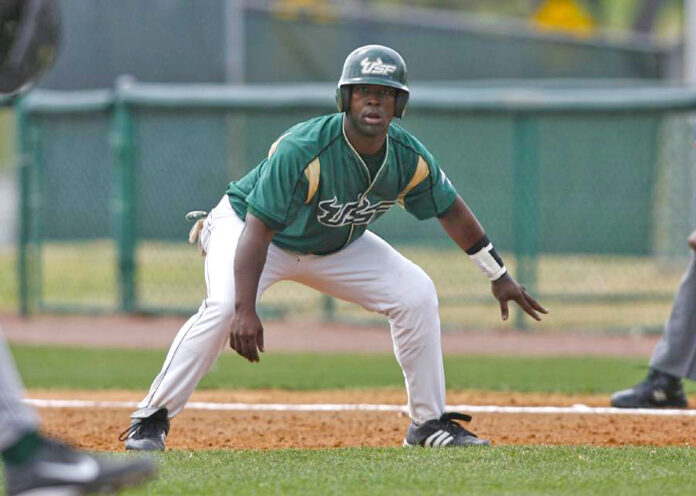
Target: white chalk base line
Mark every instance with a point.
(362, 407)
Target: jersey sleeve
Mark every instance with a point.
(281, 188)
(430, 192)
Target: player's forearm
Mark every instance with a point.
(249, 261)
(461, 225)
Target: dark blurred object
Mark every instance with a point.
(647, 16)
(29, 34)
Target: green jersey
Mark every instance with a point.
(316, 192)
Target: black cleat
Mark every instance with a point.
(442, 432)
(148, 430)
(60, 469)
(658, 390)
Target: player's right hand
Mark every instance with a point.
(246, 334)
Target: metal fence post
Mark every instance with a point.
(124, 197)
(328, 307)
(526, 214)
(25, 212)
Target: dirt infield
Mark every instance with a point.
(200, 429)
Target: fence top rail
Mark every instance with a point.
(428, 97)
(51, 101)
(439, 98)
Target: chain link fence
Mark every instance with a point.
(587, 193)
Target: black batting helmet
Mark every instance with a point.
(29, 34)
(373, 64)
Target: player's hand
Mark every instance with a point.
(692, 240)
(246, 334)
(506, 289)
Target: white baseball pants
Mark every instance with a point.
(368, 272)
(16, 418)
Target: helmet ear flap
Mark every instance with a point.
(343, 98)
(400, 103)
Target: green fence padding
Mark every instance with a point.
(586, 191)
(75, 176)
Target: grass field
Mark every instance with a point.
(500, 471)
(58, 367)
(509, 470)
(584, 292)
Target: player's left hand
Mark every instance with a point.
(506, 289)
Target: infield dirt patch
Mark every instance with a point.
(200, 429)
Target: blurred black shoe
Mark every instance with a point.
(658, 390)
(60, 469)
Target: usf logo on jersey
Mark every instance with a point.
(376, 66)
(334, 214)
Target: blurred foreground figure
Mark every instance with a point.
(674, 356)
(29, 34)
(34, 464)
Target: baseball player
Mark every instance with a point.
(674, 356)
(34, 464)
(302, 215)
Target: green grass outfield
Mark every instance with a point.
(508, 470)
(390, 471)
(58, 367)
(497, 471)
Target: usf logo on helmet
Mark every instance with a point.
(376, 66)
(373, 64)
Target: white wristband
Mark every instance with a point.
(488, 260)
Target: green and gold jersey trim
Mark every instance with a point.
(275, 144)
(312, 173)
(422, 172)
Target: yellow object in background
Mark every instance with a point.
(563, 15)
(318, 10)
